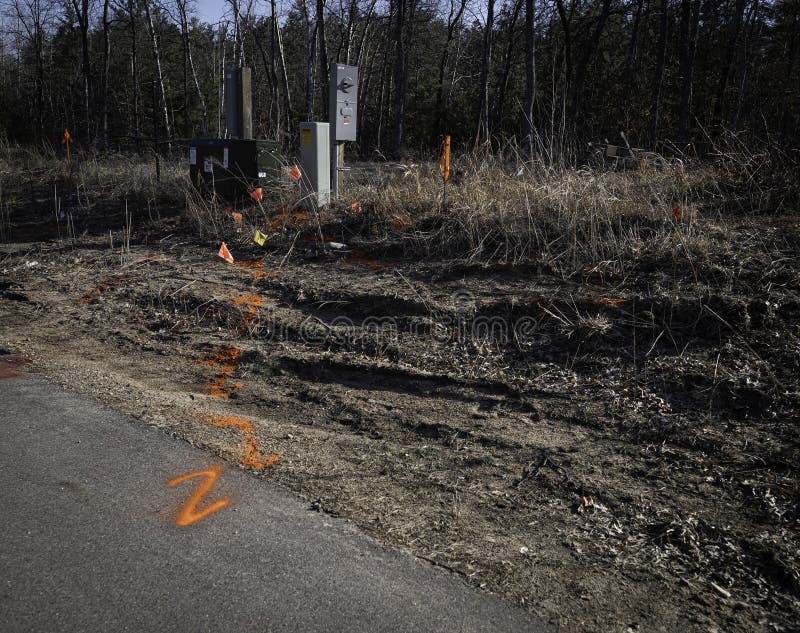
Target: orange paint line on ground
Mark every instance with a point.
(103, 286)
(254, 266)
(251, 458)
(189, 514)
(250, 305)
(357, 258)
(227, 360)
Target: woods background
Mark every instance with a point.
(669, 73)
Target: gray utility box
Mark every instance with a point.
(315, 162)
(343, 115)
(232, 168)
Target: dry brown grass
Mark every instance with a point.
(589, 221)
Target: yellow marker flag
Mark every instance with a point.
(259, 238)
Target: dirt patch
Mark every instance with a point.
(618, 450)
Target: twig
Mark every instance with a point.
(289, 252)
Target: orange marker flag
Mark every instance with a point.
(257, 194)
(295, 174)
(66, 140)
(225, 254)
(356, 207)
(444, 161)
(237, 217)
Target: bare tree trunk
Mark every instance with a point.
(323, 55)
(190, 59)
(287, 97)
(586, 57)
(790, 114)
(132, 8)
(453, 20)
(750, 35)
(658, 78)
(566, 24)
(502, 85)
(400, 76)
(81, 8)
(486, 62)
(734, 27)
(159, 74)
(631, 52)
(690, 19)
(367, 21)
(106, 67)
(530, 76)
(311, 34)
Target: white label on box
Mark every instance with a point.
(225, 158)
(192, 155)
(208, 167)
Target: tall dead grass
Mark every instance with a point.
(570, 220)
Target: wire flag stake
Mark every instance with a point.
(66, 140)
(444, 167)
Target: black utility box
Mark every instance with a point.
(232, 168)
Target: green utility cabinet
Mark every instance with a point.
(232, 168)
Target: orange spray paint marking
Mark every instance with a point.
(250, 305)
(227, 360)
(357, 258)
(255, 266)
(103, 286)
(251, 458)
(189, 514)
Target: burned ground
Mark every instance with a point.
(616, 448)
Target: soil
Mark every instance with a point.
(616, 451)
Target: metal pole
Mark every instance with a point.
(334, 168)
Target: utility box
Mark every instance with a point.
(343, 102)
(315, 162)
(239, 103)
(232, 168)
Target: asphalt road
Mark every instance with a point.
(89, 540)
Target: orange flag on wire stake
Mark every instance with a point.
(66, 140)
(257, 194)
(444, 161)
(295, 173)
(225, 254)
